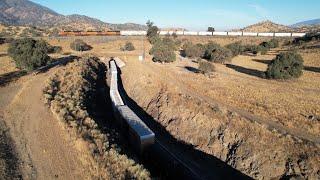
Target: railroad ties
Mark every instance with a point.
(139, 134)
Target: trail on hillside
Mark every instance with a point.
(45, 148)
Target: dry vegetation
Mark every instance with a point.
(70, 93)
(237, 115)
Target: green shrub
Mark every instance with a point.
(29, 54)
(273, 43)
(254, 49)
(128, 47)
(169, 42)
(221, 55)
(162, 51)
(209, 48)
(206, 67)
(285, 66)
(236, 48)
(80, 45)
(193, 51)
(54, 49)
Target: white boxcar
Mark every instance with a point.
(234, 33)
(205, 33)
(282, 34)
(133, 33)
(163, 32)
(266, 34)
(190, 33)
(298, 34)
(219, 33)
(179, 32)
(250, 34)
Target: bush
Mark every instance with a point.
(263, 50)
(206, 67)
(162, 51)
(170, 43)
(80, 45)
(209, 48)
(193, 51)
(254, 49)
(128, 47)
(236, 48)
(54, 49)
(273, 43)
(221, 55)
(29, 54)
(285, 66)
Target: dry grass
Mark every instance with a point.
(70, 93)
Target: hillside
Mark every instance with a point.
(312, 22)
(27, 13)
(266, 26)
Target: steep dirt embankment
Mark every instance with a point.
(217, 130)
(71, 94)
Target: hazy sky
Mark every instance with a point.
(191, 14)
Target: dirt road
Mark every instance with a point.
(45, 148)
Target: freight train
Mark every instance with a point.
(139, 134)
(179, 33)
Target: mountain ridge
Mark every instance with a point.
(28, 13)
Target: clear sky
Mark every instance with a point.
(190, 14)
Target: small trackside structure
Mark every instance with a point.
(139, 134)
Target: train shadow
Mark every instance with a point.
(306, 68)
(11, 76)
(192, 69)
(312, 69)
(252, 72)
(62, 61)
(208, 166)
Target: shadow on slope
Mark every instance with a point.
(203, 164)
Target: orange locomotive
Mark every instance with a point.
(89, 33)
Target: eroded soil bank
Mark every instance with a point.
(215, 129)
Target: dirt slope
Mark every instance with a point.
(212, 116)
(45, 148)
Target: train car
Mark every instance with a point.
(139, 134)
(89, 33)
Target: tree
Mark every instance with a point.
(162, 51)
(29, 54)
(211, 29)
(285, 66)
(152, 32)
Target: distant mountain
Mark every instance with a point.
(307, 23)
(127, 26)
(266, 26)
(25, 12)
